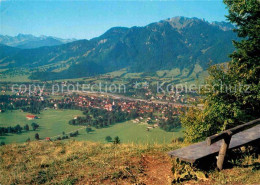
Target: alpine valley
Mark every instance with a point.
(186, 44)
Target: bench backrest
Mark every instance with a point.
(228, 133)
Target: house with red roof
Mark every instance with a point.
(31, 117)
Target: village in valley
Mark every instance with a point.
(100, 110)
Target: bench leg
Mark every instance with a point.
(222, 152)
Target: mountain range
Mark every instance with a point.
(177, 42)
(28, 41)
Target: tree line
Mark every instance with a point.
(100, 118)
(17, 129)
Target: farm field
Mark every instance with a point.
(15, 78)
(54, 122)
(130, 132)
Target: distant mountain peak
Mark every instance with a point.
(225, 26)
(182, 19)
(180, 22)
(27, 41)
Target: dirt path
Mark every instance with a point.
(157, 169)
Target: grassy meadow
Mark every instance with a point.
(174, 75)
(84, 162)
(54, 122)
(15, 78)
(130, 132)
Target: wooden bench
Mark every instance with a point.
(219, 143)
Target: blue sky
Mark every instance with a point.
(88, 19)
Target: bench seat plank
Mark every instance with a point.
(201, 150)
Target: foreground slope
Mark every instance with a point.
(93, 163)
